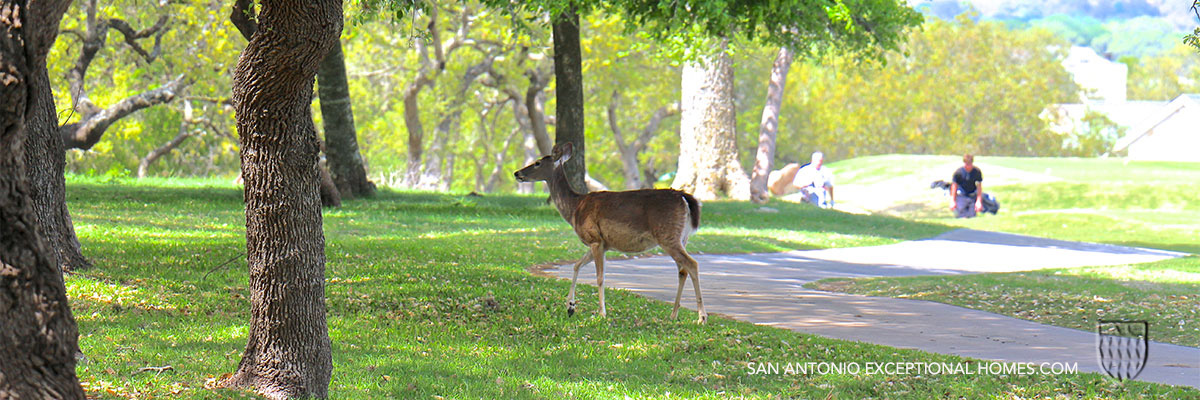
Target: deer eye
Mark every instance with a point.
(537, 163)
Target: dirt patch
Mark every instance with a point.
(841, 286)
(545, 270)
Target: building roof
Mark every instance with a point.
(1127, 114)
(1153, 119)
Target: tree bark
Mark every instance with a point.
(287, 354)
(769, 127)
(45, 161)
(568, 94)
(341, 140)
(708, 154)
(38, 335)
(244, 19)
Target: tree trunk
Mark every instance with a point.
(287, 354)
(435, 175)
(38, 335)
(568, 94)
(341, 141)
(708, 154)
(432, 172)
(416, 136)
(535, 108)
(531, 153)
(330, 195)
(630, 151)
(498, 166)
(45, 162)
(426, 76)
(769, 127)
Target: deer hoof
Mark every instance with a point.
(571, 309)
(702, 320)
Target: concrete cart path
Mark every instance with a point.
(767, 289)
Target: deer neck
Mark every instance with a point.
(564, 198)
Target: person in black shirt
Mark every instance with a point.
(966, 187)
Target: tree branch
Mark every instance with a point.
(243, 18)
(653, 124)
(73, 32)
(157, 153)
(93, 41)
(612, 122)
(131, 36)
(83, 135)
(225, 101)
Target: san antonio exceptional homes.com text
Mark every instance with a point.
(911, 368)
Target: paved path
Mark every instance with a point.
(767, 289)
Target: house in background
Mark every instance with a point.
(1100, 79)
(1154, 130)
(1170, 133)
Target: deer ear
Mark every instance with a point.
(563, 151)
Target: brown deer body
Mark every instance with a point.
(630, 221)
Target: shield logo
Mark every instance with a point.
(1122, 347)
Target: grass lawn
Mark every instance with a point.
(1144, 204)
(429, 297)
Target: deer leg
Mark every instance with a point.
(575, 277)
(689, 266)
(703, 315)
(598, 259)
(679, 292)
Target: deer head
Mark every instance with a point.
(544, 168)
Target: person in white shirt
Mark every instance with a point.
(815, 182)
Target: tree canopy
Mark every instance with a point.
(884, 100)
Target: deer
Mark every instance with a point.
(631, 221)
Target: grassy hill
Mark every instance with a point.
(1148, 204)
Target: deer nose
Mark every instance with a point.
(517, 175)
